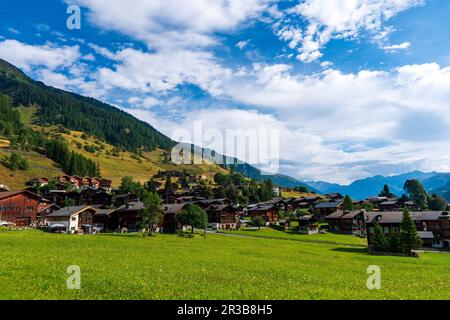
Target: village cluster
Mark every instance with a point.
(91, 205)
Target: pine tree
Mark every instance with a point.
(348, 203)
(409, 237)
(379, 240)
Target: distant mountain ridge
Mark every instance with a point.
(434, 182)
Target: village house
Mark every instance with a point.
(324, 209)
(127, 216)
(308, 225)
(433, 226)
(347, 222)
(224, 216)
(20, 207)
(77, 219)
(44, 211)
(269, 212)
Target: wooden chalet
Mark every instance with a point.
(390, 205)
(269, 212)
(347, 222)
(76, 219)
(324, 209)
(20, 207)
(169, 222)
(308, 225)
(435, 223)
(127, 216)
(224, 216)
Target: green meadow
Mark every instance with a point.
(33, 265)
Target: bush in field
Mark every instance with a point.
(258, 221)
(193, 216)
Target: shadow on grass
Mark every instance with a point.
(351, 250)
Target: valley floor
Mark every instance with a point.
(33, 265)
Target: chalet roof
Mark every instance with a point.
(174, 208)
(389, 203)
(426, 235)
(329, 205)
(48, 207)
(352, 214)
(276, 200)
(429, 215)
(386, 217)
(262, 207)
(105, 212)
(70, 211)
(8, 194)
(336, 215)
(132, 206)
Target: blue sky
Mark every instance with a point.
(355, 87)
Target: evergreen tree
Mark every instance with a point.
(379, 240)
(409, 237)
(386, 192)
(348, 203)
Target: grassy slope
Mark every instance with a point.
(33, 266)
(114, 168)
(39, 167)
(295, 194)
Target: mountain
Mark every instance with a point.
(277, 179)
(112, 130)
(361, 189)
(443, 191)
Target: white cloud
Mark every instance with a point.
(27, 56)
(12, 30)
(242, 44)
(396, 47)
(337, 19)
(164, 24)
(163, 71)
(144, 103)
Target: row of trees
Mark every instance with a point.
(71, 162)
(422, 200)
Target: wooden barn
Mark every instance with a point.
(20, 207)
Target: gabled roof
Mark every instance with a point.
(386, 217)
(70, 211)
(8, 194)
(329, 205)
(262, 207)
(352, 214)
(336, 215)
(426, 235)
(174, 208)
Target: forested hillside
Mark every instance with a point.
(75, 112)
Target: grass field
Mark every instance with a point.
(33, 266)
(329, 238)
